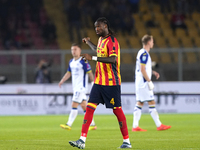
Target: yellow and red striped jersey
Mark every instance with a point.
(106, 73)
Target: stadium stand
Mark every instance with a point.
(23, 29)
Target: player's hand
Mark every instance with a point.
(85, 40)
(86, 57)
(60, 83)
(156, 74)
(151, 85)
(92, 83)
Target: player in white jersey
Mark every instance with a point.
(144, 86)
(79, 70)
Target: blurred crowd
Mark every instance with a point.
(120, 13)
(18, 18)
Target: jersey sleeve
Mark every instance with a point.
(86, 66)
(69, 68)
(112, 47)
(143, 58)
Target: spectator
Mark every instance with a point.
(74, 21)
(22, 40)
(49, 32)
(177, 21)
(165, 6)
(134, 5)
(43, 74)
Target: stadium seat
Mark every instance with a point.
(127, 58)
(173, 42)
(164, 25)
(159, 17)
(140, 25)
(122, 41)
(191, 57)
(146, 17)
(4, 60)
(16, 59)
(155, 32)
(186, 41)
(195, 16)
(197, 41)
(141, 33)
(160, 42)
(165, 57)
(167, 33)
(155, 56)
(180, 33)
(135, 42)
(193, 33)
(190, 24)
(31, 59)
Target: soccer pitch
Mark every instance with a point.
(44, 133)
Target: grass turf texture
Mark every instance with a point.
(44, 133)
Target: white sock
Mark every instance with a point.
(72, 116)
(154, 115)
(136, 115)
(83, 138)
(127, 141)
(92, 123)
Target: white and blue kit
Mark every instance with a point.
(142, 90)
(79, 70)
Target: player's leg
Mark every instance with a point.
(123, 126)
(136, 116)
(76, 100)
(85, 127)
(140, 98)
(155, 116)
(92, 125)
(95, 98)
(112, 98)
(72, 116)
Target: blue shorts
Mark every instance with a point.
(108, 95)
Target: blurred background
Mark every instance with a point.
(36, 36)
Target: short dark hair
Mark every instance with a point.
(105, 21)
(75, 44)
(146, 38)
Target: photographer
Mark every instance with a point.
(43, 74)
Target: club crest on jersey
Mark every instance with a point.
(144, 58)
(102, 45)
(120, 124)
(84, 121)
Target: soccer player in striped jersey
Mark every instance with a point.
(107, 82)
(79, 70)
(144, 86)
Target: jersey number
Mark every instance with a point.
(112, 101)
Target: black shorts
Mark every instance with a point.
(108, 95)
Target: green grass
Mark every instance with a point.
(44, 133)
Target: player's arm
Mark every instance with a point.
(156, 74)
(111, 59)
(144, 73)
(89, 43)
(65, 78)
(91, 76)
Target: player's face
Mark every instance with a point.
(100, 28)
(151, 43)
(76, 51)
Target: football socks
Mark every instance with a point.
(137, 115)
(154, 115)
(72, 116)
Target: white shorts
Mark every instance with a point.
(144, 94)
(78, 97)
